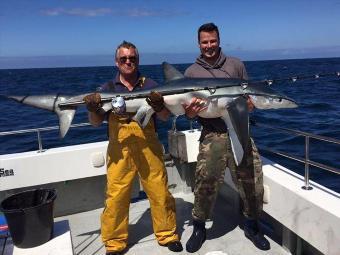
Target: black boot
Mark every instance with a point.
(175, 246)
(197, 238)
(252, 232)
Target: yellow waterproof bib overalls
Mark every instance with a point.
(133, 150)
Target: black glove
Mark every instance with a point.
(156, 101)
(93, 102)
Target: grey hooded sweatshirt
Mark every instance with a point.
(224, 67)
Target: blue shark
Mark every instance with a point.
(223, 98)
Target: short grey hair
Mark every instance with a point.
(127, 45)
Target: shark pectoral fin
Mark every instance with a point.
(236, 146)
(65, 119)
(236, 118)
(143, 115)
(239, 115)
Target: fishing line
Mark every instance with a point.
(244, 84)
(297, 77)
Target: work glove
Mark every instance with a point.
(93, 102)
(156, 101)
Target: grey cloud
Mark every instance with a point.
(138, 12)
(135, 12)
(77, 12)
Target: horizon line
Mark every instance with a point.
(107, 61)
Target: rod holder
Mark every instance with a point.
(174, 127)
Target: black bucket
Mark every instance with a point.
(29, 216)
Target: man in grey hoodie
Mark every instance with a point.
(215, 149)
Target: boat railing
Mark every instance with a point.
(39, 130)
(306, 160)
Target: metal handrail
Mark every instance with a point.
(33, 130)
(305, 160)
(39, 130)
(298, 132)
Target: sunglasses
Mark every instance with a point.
(133, 59)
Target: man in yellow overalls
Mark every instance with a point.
(133, 150)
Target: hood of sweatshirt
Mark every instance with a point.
(218, 64)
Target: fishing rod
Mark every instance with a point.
(212, 89)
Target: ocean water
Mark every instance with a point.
(318, 112)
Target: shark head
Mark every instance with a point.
(227, 99)
(265, 102)
(265, 97)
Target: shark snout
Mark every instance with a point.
(269, 102)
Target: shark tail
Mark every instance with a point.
(51, 103)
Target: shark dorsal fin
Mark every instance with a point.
(171, 73)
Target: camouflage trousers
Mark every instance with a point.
(215, 155)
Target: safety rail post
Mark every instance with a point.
(39, 142)
(306, 186)
(174, 126)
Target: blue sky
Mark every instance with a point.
(85, 33)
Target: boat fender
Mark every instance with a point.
(266, 194)
(97, 159)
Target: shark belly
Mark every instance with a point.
(174, 103)
(134, 105)
(216, 107)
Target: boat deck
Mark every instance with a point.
(224, 236)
